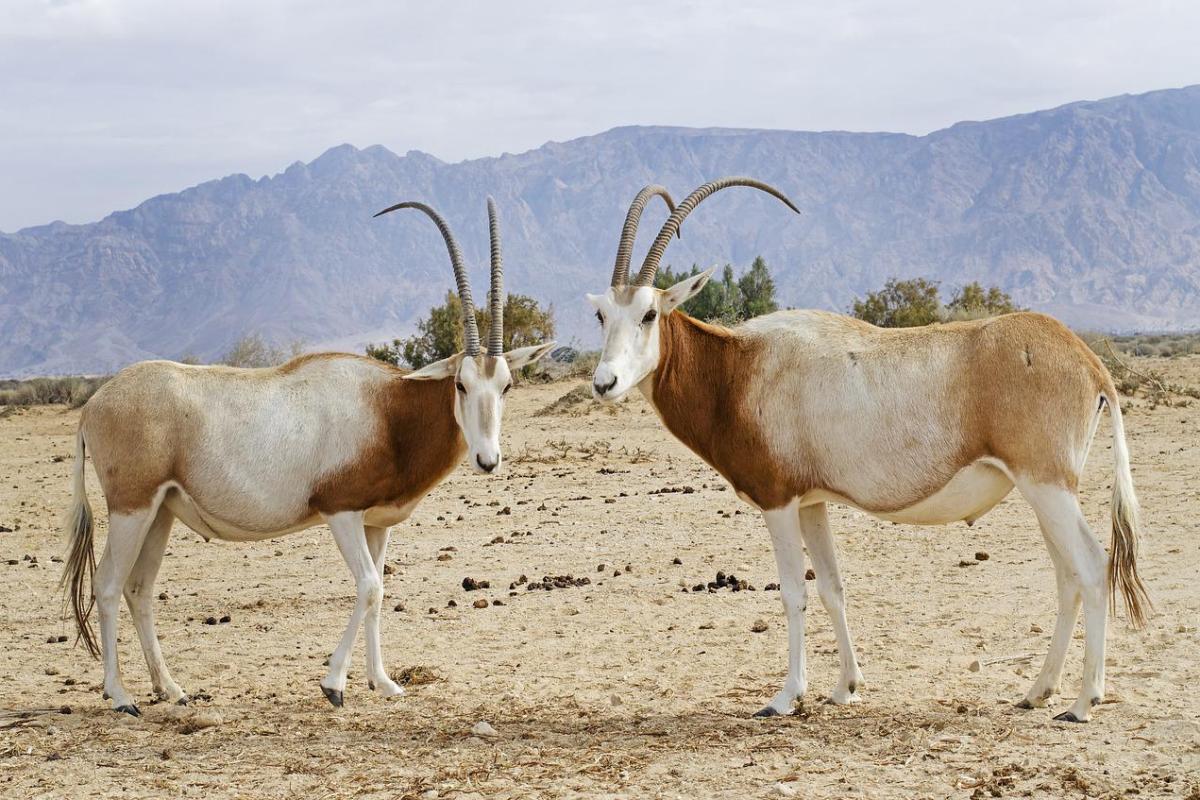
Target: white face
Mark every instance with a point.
(629, 317)
(481, 385)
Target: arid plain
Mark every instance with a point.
(627, 686)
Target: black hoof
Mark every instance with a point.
(1023, 704)
(371, 685)
(333, 696)
(131, 710)
(766, 711)
(1068, 716)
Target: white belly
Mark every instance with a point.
(972, 492)
(210, 526)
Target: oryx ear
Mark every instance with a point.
(595, 300)
(685, 290)
(527, 355)
(446, 368)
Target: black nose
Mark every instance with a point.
(486, 467)
(604, 389)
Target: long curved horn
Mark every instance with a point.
(470, 329)
(496, 330)
(671, 226)
(629, 232)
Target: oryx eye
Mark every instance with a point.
(600, 317)
(650, 316)
(462, 389)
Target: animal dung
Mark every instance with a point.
(547, 583)
(722, 581)
(809, 575)
(470, 584)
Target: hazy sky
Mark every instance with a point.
(104, 103)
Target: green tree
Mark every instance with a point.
(440, 335)
(901, 304)
(727, 300)
(758, 290)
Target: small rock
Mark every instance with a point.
(601, 567)
(199, 720)
(981, 556)
(51, 670)
(484, 730)
(809, 575)
(965, 563)
(504, 511)
(783, 790)
(1035, 628)
(162, 595)
(677, 560)
(399, 607)
(210, 620)
(225, 618)
(451, 604)
(388, 569)
(975, 666)
(444, 557)
(759, 626)
(481, 603)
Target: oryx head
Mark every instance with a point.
(481, 380)
(629, 313)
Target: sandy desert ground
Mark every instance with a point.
(627, 686)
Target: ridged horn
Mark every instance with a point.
(496, 329)
(470, 329)
(671, 226)
(628, 233)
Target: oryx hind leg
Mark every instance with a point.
(1049, 680)
(1063, 523)
(139, 595)
(377, 677)
(126, 533)
(814, 526)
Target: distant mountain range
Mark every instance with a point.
(1090, 211)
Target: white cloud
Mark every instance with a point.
(105, 102)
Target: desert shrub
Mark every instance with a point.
(252, 350)
(69, 391)
(910, 303)
(727, 300)
(1138, 381)
(440, 335)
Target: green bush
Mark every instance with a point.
(909, 303)
(441, 334)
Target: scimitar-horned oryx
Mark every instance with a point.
(919, 425)
(251, 454)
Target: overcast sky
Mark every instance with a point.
(104, 103)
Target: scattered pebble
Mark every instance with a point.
(975, 666)
(759, 626)
(783, 790)
(1035, 628)
(470, 584)
(809, 575)
(399, 607)
(677, 560)
(981, 556)
(481, 603)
